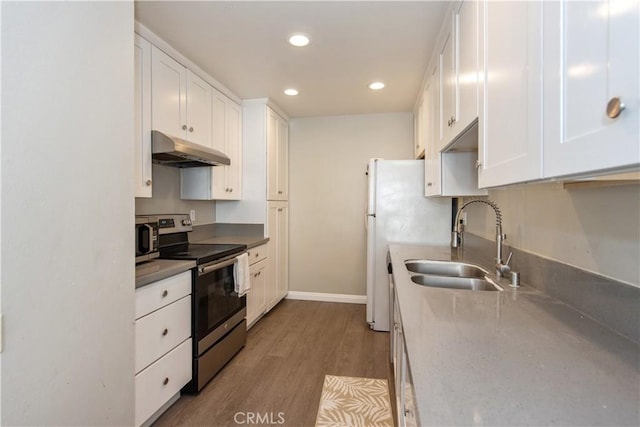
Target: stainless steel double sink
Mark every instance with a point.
(451, 275)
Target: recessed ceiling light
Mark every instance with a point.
(299, 39)
(291, 92)
(376, 85)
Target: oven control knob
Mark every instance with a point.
(186, 222)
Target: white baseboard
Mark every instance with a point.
(318, 296)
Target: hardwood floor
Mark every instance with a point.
(277, 378)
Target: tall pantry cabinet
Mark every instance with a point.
(265, 192)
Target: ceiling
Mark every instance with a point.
(244, 45)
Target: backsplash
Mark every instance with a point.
(612, 303)
(166, 198)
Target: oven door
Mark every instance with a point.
(215, 302)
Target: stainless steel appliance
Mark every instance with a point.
(146, 238)
(219, 328)
(169, 150)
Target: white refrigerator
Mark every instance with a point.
(398, 212)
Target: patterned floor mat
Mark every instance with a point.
(352, 401)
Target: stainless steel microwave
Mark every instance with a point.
(146, 238)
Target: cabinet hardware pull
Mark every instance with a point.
(184, 127)
(165, 293)
(614, 107)
(148, 182)
(191, 129)
(429, 184)
(166, 381)
(165, 332)
(478, 164)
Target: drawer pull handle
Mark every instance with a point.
(166, 381)
(165, 293)
(165, 332)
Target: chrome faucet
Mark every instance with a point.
(501, 267)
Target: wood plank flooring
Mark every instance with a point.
(278, 376)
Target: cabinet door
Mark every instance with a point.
(256, 302)
(432, 152)
(447, 86)
(168, 93)
(272, 155)
(234, 150)
(510, 139)
(142, 117)
(466, 25)
(282, 262)
(283, 159)
(218, 179)
(199, 115)
(277, 157)
(278, 231)
(590, 57)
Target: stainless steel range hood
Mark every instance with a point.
(172, 151)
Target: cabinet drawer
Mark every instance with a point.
(159, 382)
(161, 331)
(163, 292)
(257, 254)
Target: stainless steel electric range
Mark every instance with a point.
(218, 314)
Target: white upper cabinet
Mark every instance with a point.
(199, 95)
(142, 117)
(169, 95)
(466, 25)
(420, 127)
(277, 157)
(450, 174)
(591, 58)
(181, 101)
(458, 62)
(510, 128)
(218, 182)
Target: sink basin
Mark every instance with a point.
(468, 283)
(445, 268)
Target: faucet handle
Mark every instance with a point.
(509, 258)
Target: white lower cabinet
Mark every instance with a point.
(407, 414)
(162, 343)
(258, 270)
(278, 231)
(161, 381)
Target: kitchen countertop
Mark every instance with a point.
(517, 357)
(250, 241)
(158, 269)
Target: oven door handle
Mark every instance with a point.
(214, 267)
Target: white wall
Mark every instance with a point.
(67, 213)
(327, 185)
(166, 198)
(596, 229)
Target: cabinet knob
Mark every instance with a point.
(165, 293)
(429, 184)
(478, 164)
(184, 127)
(191, 129)
(614, 107)
(165, 332)
(166, 381)
(231, 190)
(280, 192)
(148, 182)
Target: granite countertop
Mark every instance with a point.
(250, 241)
(517, 357)
(158, 269)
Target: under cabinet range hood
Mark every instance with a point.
(172, 151)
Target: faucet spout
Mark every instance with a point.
(502, 268)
